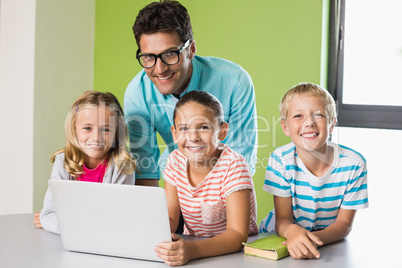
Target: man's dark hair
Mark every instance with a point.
(164, 16)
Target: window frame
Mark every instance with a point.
(353, 115)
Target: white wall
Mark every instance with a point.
(17, 49)
(46, 62)
(382, 149)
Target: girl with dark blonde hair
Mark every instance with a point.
(96, 137)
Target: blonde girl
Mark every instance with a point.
(95, 150)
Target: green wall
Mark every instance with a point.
(277, 42)
(64, 58)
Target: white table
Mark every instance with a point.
(24, 246)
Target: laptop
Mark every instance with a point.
(111, 219)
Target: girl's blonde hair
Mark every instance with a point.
(309, 89)
(74, 156)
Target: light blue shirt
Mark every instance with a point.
(147, 112)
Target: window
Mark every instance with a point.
(365, 63)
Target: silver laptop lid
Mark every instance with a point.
(110, 219)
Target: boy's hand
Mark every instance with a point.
(37, 222)
(301, 243)
(174, 253)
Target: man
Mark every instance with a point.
(167, 51)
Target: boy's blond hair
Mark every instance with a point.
(309, 89)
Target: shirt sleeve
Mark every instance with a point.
(168, 173)
(47, 216)
(356, 196)
(143, 143)
(243, 135)
(275, 179)
(238, 177)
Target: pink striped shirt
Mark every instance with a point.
(204, 206)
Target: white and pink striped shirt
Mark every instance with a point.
(204, 206)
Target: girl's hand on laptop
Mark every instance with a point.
(37, 222)
(174, 253)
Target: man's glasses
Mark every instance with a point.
(168, 57)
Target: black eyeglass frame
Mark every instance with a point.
(178, 51)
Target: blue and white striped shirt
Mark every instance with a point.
(316, 200)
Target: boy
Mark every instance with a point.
(317, 184)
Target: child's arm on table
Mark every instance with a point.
(339, 229)
(300, 242)
(173, 205)
(180, 251)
